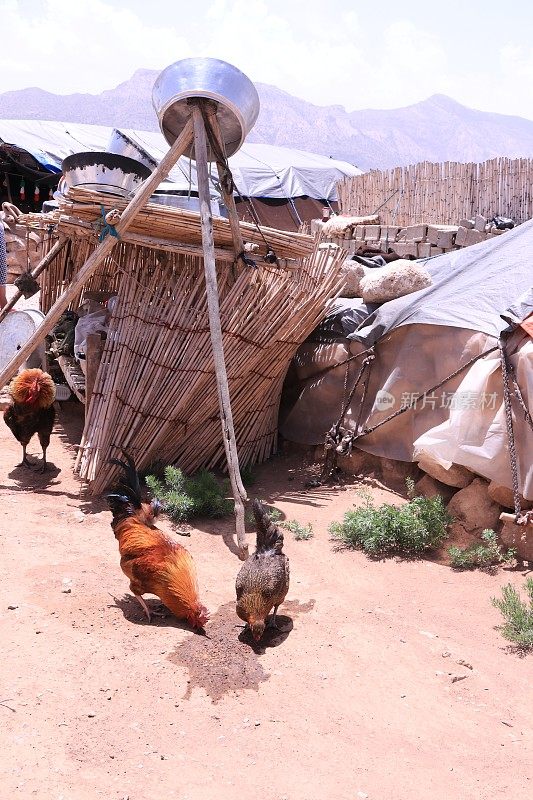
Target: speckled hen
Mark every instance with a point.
(263, 580)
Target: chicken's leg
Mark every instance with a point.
(44, 439)
(24, 462)
(272, 621)
(145, 607)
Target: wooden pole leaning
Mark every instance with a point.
(41, 266)
(139, 200)
(213, 306)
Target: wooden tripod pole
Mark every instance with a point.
(213, 306)
(138, 201)
(41, 266)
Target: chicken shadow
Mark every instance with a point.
(31, 478)
(161, 616)
(272, 637)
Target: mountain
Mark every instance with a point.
(437, 129)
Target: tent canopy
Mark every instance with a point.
(259, 170)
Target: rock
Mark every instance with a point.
(518, 536)
(358, 462)
(429, 487)
(455, 475)
(480, 222)
(472, 510)
(395, 473)
(353, 273)
(504, 496)
(394, 280)
(339, 224)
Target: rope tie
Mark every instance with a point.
(339, 439)
(106, 226)
(227, 184)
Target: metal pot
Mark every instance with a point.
(190, 203)
(237, 98)
(15, 330)
(104, 172)
(121, 144)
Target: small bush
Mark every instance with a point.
(273, 512)
(518, 615)
(481, 555)
(247, 476)
(300, 532)
(421, 524)
(186, 497)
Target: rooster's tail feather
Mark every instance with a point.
(131, 476)
(269, 536)
(125, 499)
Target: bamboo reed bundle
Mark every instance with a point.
(178, 225)
(155, 391)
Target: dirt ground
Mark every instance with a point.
(387, 681)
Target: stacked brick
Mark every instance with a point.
(414, 241)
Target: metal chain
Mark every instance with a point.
(366, 362)
(510, 431)
(413, 402)
(519, 396)
(344, 361)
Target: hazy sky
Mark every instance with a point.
(368, 54)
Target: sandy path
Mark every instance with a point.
(355, 701)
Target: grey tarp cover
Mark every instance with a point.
(420, 340)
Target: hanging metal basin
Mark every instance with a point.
(121, 144)
(235, 94)
(104, 172)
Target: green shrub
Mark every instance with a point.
(300, 532)
(518, 615)
(247, 476)
(273, 512)
(480, 555)
(421, 524)
(184, 497)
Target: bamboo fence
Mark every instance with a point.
(442, 193)
(155, 391)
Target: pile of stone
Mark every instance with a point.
(414, 241)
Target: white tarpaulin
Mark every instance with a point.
(259, 170)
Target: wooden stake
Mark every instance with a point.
(143, 193)
(230, 445)
(43, 264)
(93, 356)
